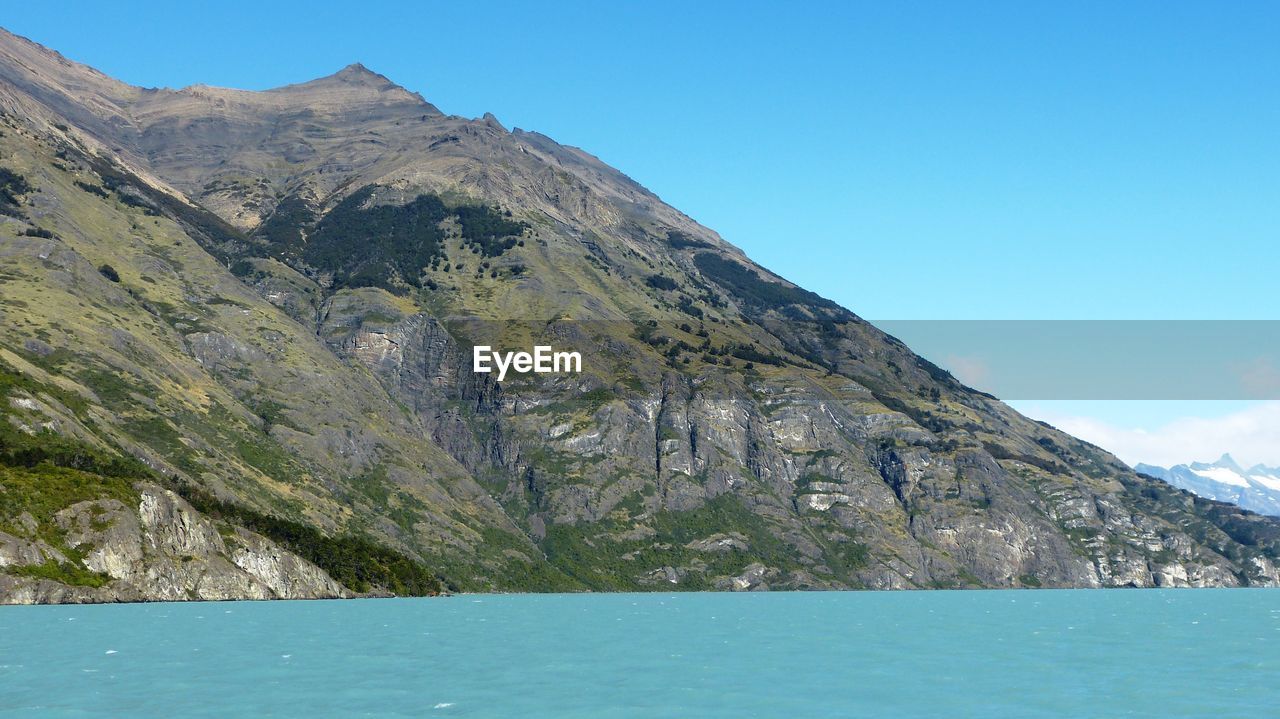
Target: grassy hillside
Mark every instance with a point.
(167, 356)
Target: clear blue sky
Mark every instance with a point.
(909, 160)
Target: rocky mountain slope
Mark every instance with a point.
(1256, 489)
(271, 299)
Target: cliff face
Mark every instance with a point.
(301, 275)
(161, 549)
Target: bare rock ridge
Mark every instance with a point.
(258, 307)
(162, 549)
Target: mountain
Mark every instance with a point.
(1256, 489)
(260, 310)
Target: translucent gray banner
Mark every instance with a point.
(1010, 359)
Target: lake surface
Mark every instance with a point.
(1084, 653)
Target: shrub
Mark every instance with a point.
(686, 306)
(679, 240)
(485, 229)
(747, 285)
(92, 189)
(12, 187)
(660, 282)
(751, 354)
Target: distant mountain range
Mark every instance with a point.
(1256, 488)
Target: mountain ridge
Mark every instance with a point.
(288, 331)
(1256, 489)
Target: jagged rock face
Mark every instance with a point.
(729, 430)
(163, 549)
(958, 517)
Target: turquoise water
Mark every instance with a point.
(1209, 653)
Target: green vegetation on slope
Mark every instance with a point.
(593, 553)
(43, 472)
(358, 563)
(757, 293)
(660, 282)
(283, 230)
(378, 246)
(486, 230)
(383, 245)
(218, 237)
(680, 241)
(12, 187)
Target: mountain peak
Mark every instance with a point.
(357, 72)
(1227, 461)
(355, 82)
(355, 75)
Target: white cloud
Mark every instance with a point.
(973, 371)
(1251, 436)
(1260, 377)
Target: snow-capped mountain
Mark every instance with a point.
(1256, 488)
